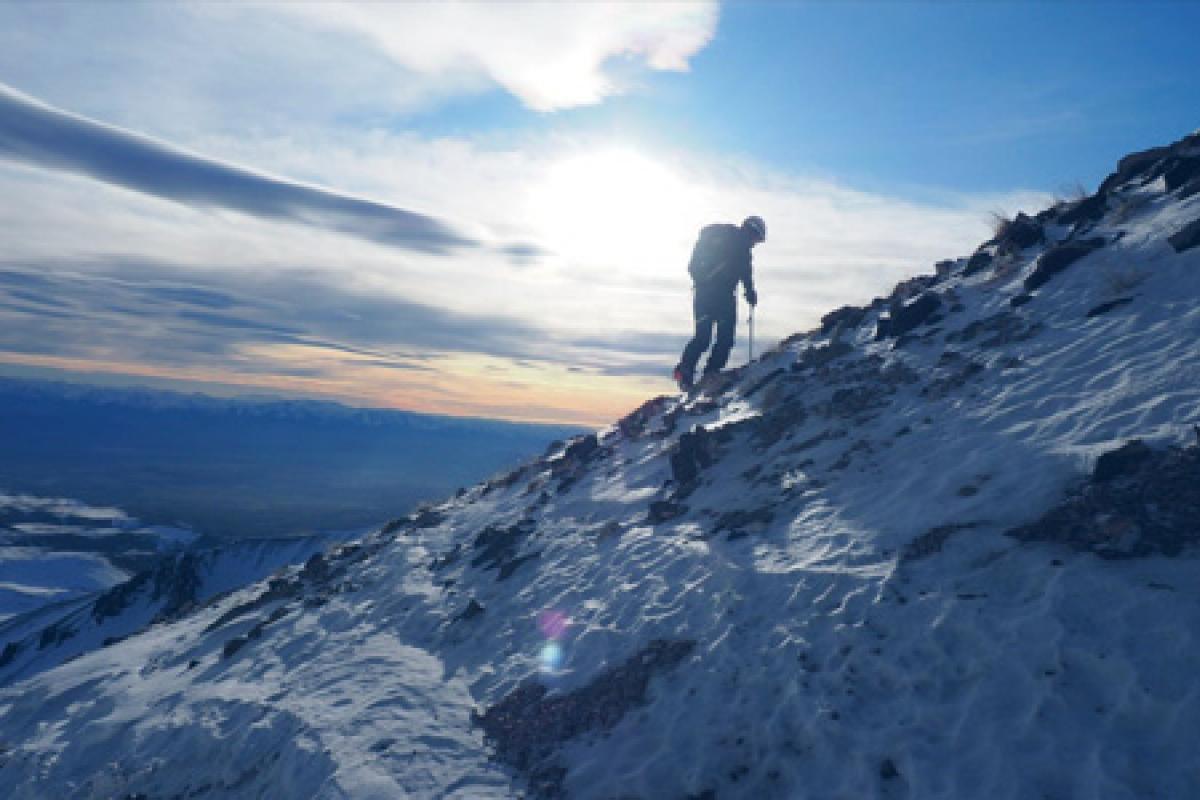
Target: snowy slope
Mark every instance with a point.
(53, 550)
(893, 558)
(80, 622)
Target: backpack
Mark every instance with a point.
(714, 253)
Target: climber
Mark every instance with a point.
(720, 260)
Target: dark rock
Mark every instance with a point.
(1187, 238)
(1058, 258)
(1021, 299)
(446, 559)
(737, 522)
(1190, 190)
(499, 546)
(632, 425)
(428, 518)
(888, 771)
(583, 447)
(1132, 166)
(763, 382)
(932, 541)
(120, 597)
(1090, 209)
(277, 589)
(1181, 171)
(11, 650)
(1111, 305)
(1141, 502)
(1023, 231)
(473, 610)
(815, 357)
(530, 724)
(906, 317)
(693, 453)
(998, 330)
(1124, 461)
(978, 262)
(315, 569)
(664, 510)
(846, 316)
(233, 646)
(392, 525)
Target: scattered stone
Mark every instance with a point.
(382, 745)
(816, 357)
(1132, 166)
(634, 424)
(11, 651)
(846, 317)
(1138, 503)
(1187, 238)
(1021, 232)
(888, 771)
(664, 510)
(741, 523)
(1090, 209)
(1111, 305)
(1121, 462)
(530, 724)
(904, 318)
(762, 382)
(932, 541)
(1180, 171)
(473, 610)
(1001, 329)
(1058, 258)
(693, 453)
(499, 546)
(978, 262)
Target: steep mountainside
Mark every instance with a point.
(171, 583)
(942, 547)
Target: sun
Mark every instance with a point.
(615, 207)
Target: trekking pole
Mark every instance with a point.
(750, 343)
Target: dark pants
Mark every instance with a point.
(710, 309)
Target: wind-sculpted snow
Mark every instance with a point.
(816, 579)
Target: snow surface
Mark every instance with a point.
(830, 658)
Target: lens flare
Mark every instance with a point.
(553, 624)
(551, 657)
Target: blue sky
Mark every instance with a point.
(969, 96)
(486, 208)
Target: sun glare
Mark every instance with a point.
(614, 207)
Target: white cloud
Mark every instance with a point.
(550, 55)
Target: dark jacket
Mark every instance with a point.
(721, 260)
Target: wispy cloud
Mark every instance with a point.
(34, 133)
(578, 324)
(550, 55)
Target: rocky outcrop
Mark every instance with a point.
(1138, 502)
(1187, 238)
(904, 318)
(1058, 258)
(530, 724)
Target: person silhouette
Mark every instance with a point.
(720, 261)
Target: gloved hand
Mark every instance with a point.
(752, 297)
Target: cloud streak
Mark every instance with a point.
(549, 55)
(40, 135)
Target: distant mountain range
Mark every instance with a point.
(243, 466)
